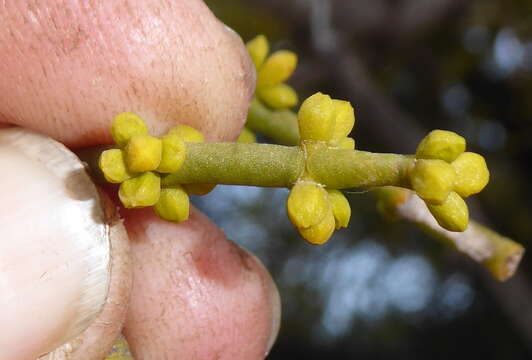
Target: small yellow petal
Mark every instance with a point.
(307, 204)
(453, 214)
(143, 153)
(187, 133)
(320, 233)
(113, 166)
(346, 143)
(441, 144)
(344, 119)
(125, 126)
(258, 49)
(199, 189)
(472, 174)
(340, 207)
(173, 204)
(316, 118)
(247, 137)
(432, 180)
(140, 191)
(173, 154)
(279, 96)
(277, 68)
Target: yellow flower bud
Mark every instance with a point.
(307, 204)
(125, 126)
(173, 154)
(199, 189)
(344, 119)
(258, 49)
(453, 214)
(346, 143)
(389, 199)
(246, 137)
(472, 174)
(279, 96)
(277, 68)
(340, 208)
(143, 153)
(173, 204)
(140, 191)
(316, 118)
(113, 166)
(432, 180)
(319, 234)
(187, 133)
(441, 144)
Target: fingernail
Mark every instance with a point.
(54, 246)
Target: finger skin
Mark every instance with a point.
(68, 67)
(215, 299)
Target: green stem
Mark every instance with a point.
(499, 254)
(279, 125)
(281, 166)
(343, 169)
(239, 164)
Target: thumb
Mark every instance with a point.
(62, 273)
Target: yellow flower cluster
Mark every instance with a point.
(321, 118)
(141, 159)
(272, 72)
(444, 174)
(317, 212)
(246, 137)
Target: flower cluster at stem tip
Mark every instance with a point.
(441, 172)
(141, 159)
(444, 174)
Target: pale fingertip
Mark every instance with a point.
(54, 246)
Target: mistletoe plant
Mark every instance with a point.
(318, 160)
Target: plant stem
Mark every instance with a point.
(279, 125)
(343, 169)
(499, 254)
(281, 166)
(239, 164)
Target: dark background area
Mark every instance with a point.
(381, 290)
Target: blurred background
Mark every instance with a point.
(381, 290)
